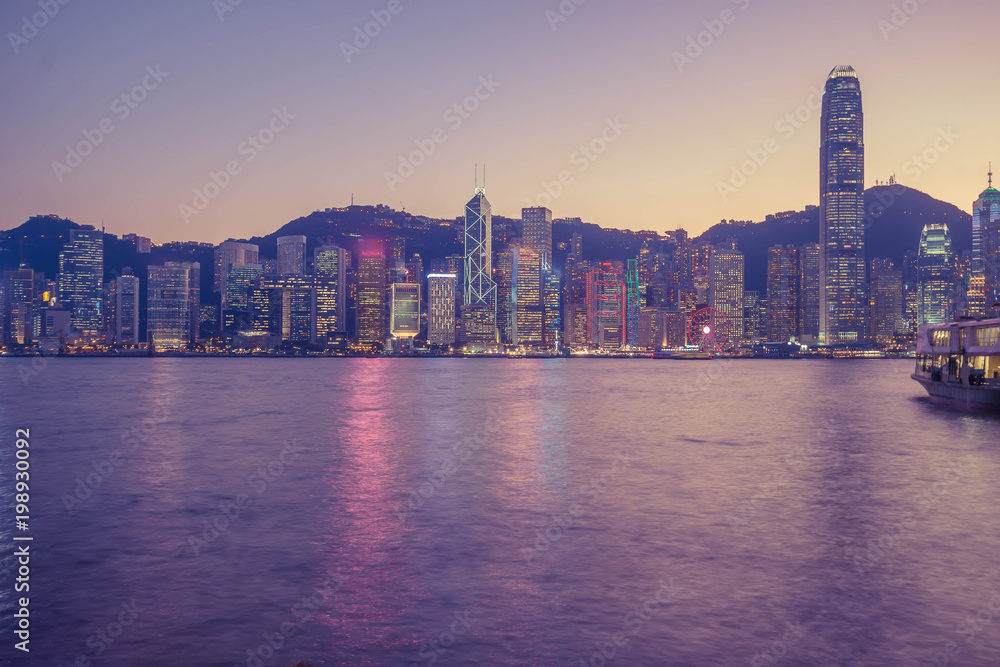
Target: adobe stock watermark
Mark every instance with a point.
(786, 127)
(918, 165)
(436, 647)
(901, 15)
(248, 150)
(455, 116)
(698, 44)
(223, 7)
(562, 12)
(582, 159)
(33, 24)
(102, 639)
(370, 31)
(122, 107)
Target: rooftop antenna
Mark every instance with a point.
(477, 175)
(484, 177)
(991, 174)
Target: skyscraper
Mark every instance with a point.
(81, 275)
(168, 318)
(782, 293)
(632, 304)
(726, 289)
(606, 295)
(526, 300)
(886, 301)
(292, 301)
(441, 308)
(986, 247)
(479, 312)
(371, 297)
(537, 232)
(126, 308)
(291, 255)
(842, 202)
(330, 266)
(936, 271)
(809, 292)
(404, 314)
(16, 306)
(233, 254)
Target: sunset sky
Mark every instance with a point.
(675, 132)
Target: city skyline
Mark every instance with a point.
(666, 164)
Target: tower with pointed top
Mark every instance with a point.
(479, 311)
(984, 287)
(842, 202)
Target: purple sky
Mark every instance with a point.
(673, 133)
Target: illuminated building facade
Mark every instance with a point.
(886, 302)
(330, 274)
(782, 293)
(293, 297)
(526, 298)
(503, 276)
(842, 201)
(537, 232)
(371, 298)
(229, 255)
(126, 309)
(632, 303)
(479, 312)
(239, 281)
(985, 280)
(81, 277)
(291, 256)
(17, 293)
(441, 288)
(168, 317)
(606, 301)
(936, 270)
(809, 292)
(404, 314)
(726, 289)
(552, 307)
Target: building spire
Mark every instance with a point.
(991, 174)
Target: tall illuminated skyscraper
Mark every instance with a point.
(782, 293)
(842, 202)
(809, 292)
(726, 289)
(81, 276)
(886, 301)
(441, 308)
(126, 308)
(291, 256)
(17, 296)
(606, 306)
(404, 313)
(371, 297)
(537, 231)
(986, 249)
(479, 312)
(526, 297)
(936, 269)
(232, 254)
(168, 317)
(330, 266)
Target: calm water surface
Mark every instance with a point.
(536, 512)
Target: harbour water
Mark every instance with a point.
(226, 512)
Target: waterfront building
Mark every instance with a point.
(985, 283)
(809, 293)
(293, 299)
(479, 311)
(330, 273)
(503, 276)
(441, 288)
(17, 300)
(606, 305)
(81, 278)
(233, 254)
(552, 307)
(125, 306)
(842, 200)
(168, 318)
(754, 316)
(936, 271)
(371, 281)
(726, 289)
(886, 302)
(239, 281)
(526, 299)
(782, 293)
(404, 317)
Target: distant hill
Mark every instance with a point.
(890, 234)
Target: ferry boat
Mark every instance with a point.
(959, 363)
(690, 353)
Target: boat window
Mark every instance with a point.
(941, 338)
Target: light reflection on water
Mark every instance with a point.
(820, 496)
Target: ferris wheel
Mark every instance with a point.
(709, 330)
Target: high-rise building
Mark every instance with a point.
(479, 312)
(239, 281)
(526, 299)
(809, 292)
(292, 299)
(632, 304)
(371, 298)
(754, 317)
(126, 308)
(606, 306)
(726, 289)
(81, 276)
(168, 318)
(441, 288)
(503, 276)
(842, 201)
(17, 297)
(537, 232)
(782, 293)
(886, 302)
(291, 255)
(233, 254)
(986, 249)
(936, 269)
(330, 273)
(404, 314)
(552, 306)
